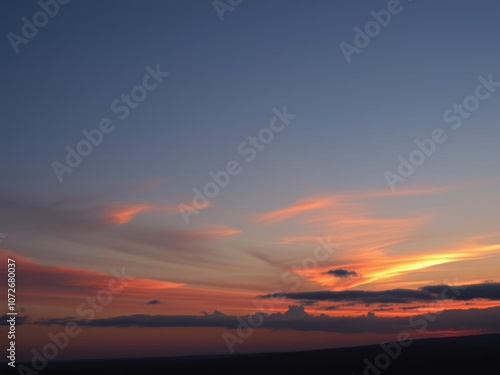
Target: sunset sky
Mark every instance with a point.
(307, 226)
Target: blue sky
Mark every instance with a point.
(226, 77)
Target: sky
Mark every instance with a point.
(195, 177)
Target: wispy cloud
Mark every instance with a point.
(318, 202)
(45, 283)
(215, 231)
(124, 213)
(293, 210)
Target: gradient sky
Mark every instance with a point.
(321, 177)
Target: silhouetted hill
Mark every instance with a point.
(477, 355)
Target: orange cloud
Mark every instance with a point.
(216, 231)
(60, 288)
(315, 203)
(124, 213)
(387, 268)
(57, 291)
(293, 210)
(368, 240)
(60, 279)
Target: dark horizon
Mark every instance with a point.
(355, 360)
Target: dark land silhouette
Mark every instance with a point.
(477, 355)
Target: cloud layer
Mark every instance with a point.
(297, 319)
(488, 291)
